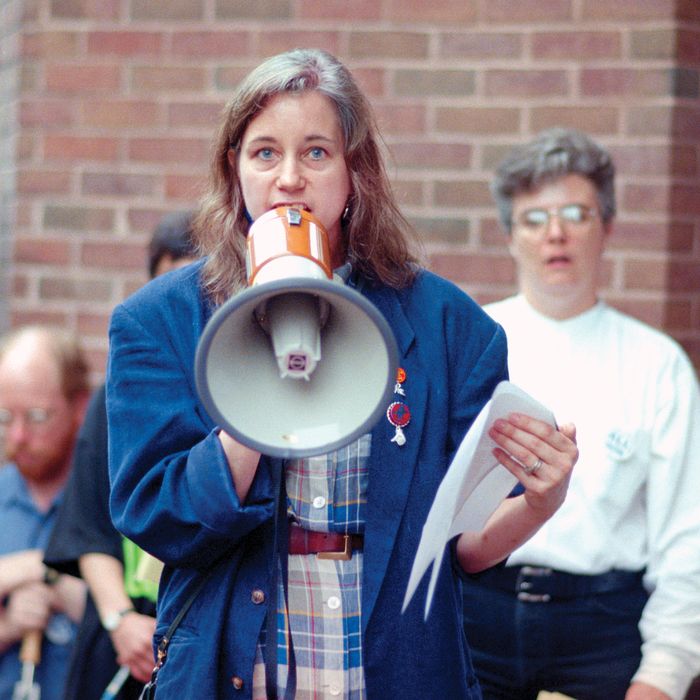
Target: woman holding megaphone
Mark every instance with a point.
(288, 545)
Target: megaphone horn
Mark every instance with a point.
(297, 363)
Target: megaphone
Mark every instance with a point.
(298, 363)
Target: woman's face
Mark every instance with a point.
(293, 154)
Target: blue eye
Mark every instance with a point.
(316, 153)
(264, 154)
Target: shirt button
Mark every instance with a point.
(319, 502)
(334, 602)
(334, 690)
(257, 596)
(237, 682)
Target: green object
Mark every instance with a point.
(136, 588)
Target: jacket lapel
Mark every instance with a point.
(391, 465)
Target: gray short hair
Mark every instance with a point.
(552, 154)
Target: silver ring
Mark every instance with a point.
(534, 468)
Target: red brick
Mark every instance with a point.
(77, 219)
(473, 268)
(93, 324)
(481, 45)
(49, 44)
(169, 150)
(275, 41)
(113, 256)
(578, 45)
(157, 79)
(658, 160)
(524, 12)
(431, 154)
(218, 44)
(410, 193)
(653, 43)
(85, 9)
(185, 187)
(525, 83)
(82, 79)
(228, 77)
(636, 235)
(25, 316)
(446, 83)
(646, 120)
(388, 44)
(688, 49)
(619, 82)
(683, 276)
(80, 148)
(42, 251)
(125, 43)
(644, 273)
(144, 221)
(118, 184)
(274, 10)
(46, 113)
(199, 114)
(477, 120)
(645, 198)
(454, 12)
(400, 119)
(357, 10)
(434, 230)
(43, 182)
(471, 193)
(628, 10)
(121, 114)
(70, 288)
(170, 10)
(685, 199)
(371, 80)
(599, 119)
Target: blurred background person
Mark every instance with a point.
(44, 391)
(603, 603)
(119, 620)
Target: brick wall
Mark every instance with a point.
(119, 97)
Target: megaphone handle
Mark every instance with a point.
(30, 651)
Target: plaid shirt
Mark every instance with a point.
(327, 494)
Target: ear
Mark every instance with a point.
(232, 158)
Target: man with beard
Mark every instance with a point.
(44, 391)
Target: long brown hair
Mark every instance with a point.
(378, 240)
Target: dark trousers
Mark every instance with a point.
(586, 646)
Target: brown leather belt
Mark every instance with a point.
(325, 545)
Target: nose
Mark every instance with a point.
(15, 433)
(556, 231)
(290, 175)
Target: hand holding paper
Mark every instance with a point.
(473, 486)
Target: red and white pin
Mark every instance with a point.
(399, 415)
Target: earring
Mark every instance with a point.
(346, 214)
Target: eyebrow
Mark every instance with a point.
(307, 139)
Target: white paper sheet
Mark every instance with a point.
(473, 486)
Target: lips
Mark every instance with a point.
(292, 205)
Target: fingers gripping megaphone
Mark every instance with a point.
(298, 363)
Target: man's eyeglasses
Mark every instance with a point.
(33, 417)
(537, 220)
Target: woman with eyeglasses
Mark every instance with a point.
(603, 603)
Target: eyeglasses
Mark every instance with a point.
(33, 417)
(537, 220)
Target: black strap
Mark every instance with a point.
(162, 650)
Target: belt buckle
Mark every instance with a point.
(345, 555)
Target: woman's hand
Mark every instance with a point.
(540, 456)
